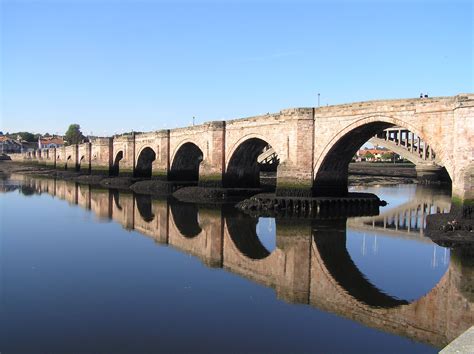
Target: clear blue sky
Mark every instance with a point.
(114, 66)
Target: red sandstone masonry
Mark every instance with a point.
(302, 138)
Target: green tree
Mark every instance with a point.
(369, 156)
(73, 134)
(387, 155)
(26, 136)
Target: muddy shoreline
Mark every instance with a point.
(182, 191)
(9, 167)
(185, 191)
(453, 230)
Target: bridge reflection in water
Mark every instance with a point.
(408, 219)
(310, 263)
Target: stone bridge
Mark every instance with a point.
(310, 264)
(412, 148)
(314, 146)
(409, 219)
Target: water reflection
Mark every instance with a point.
(330, 241)
(185, 217)
(378, 244)
(266, 232)
(407, 208)
(310, 261)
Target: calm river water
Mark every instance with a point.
(90, 270)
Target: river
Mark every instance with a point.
(97, 270)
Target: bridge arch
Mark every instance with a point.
(115, 169)
(400, 150)
(68, 159)
(242, 167)
(81, 160)
(331, 166)
(185, 163)
(145, 159)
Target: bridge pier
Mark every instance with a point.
(211, 169)
(51, 158)
(84, 158)
(293, 181)
(160, 166)
(463, 187)
(295, 174)
(101, 156)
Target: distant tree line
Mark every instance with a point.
(73, 135)
(24, 136)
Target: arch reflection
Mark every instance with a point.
(243, 232)
(310, 264)
(144, 207)
(185, 216)
(330, 240)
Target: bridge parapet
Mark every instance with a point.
(392, 105)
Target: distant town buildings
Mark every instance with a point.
(8, 145)
(376, 154)
(50, 142)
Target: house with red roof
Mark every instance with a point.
(50, 142)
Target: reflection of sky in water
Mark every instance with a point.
(266, 233)
(106, 289)
(406, 269)
(86, 277)
(395, 195)
(401, 267)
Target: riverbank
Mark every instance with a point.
(453, 230)
(356, 179)
(184, 191)
(405, 170)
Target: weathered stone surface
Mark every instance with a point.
(314, 146)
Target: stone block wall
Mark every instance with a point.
(61, 158)
(126, 145)
(295, 174)
(84, 157)
(158, 142)
(314, 145)
(101, 155)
